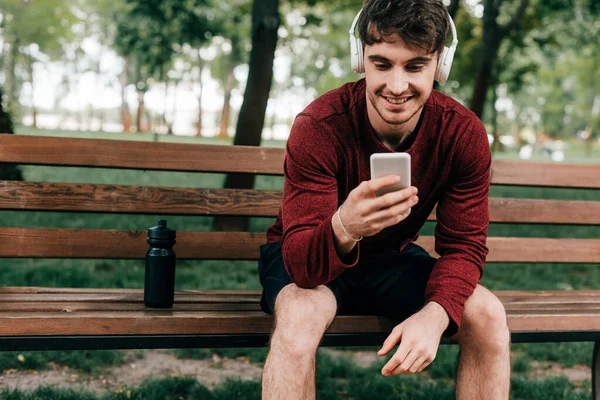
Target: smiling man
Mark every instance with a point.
(338, 249)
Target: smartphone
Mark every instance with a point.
(383, 164)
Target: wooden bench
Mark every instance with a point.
(35, 318)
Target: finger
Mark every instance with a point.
(424, 365)
(392, 339)
(416, 366)
(374, 185)
(394, 362)
(391, 199)
(394, 214)
(405, 365)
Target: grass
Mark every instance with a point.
(337, 378)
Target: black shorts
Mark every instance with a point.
(390, 284)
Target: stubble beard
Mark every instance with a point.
(384, 114)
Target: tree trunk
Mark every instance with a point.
(7, 171)
(29, 67)
(453, 8)
(140, 111)
(10, 60)
(125, 114)
(493, 34)
(226, 103)
(201, 65)
(497, 145)
(175, 106)
(265, 23)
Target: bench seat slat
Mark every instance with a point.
(42, 294)
(98, 244)
(568, 310)
(61, 290)
(83, 306)
(249, 159)
(44, 196)
(223, 322)
(125, 298)
(507, 295)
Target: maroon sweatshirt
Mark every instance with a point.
(327, 156)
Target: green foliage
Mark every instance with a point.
(53, 22)
(558, 388)
(568, 354)
(47, 393)
(87, 360)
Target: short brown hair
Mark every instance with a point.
(420, 23)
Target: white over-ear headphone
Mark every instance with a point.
(444, 61)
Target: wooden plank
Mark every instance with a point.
(547, 296)
(115, 244)
(211, 158)
(21, 318)
(537, 211)
(182, 323)
(534, 250)
(49, 294)
(85, 306)
(524, 173)
(257, 203)
(61, 290)
(137, 297)
(39, 150)
(93, 306)
(137, 199)
(162, 322)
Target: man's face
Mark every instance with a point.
(399, 82)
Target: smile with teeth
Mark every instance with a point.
(397, 101)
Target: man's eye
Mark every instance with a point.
(381, 66)
(414, 68)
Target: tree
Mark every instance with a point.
(150, 31)
(265, 24)
(53, 21)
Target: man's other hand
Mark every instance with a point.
(419, 337)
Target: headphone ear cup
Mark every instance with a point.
(439, 71)
(361, 61)
(353, 54)
(444, 64)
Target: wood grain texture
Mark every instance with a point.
(211, 158)
(256, 203)
(509, 172)
(78, 312)
(115, 244)
(137, 199)
(39, 150)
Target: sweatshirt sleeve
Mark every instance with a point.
(462, 224)
(310, 199)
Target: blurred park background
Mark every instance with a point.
(238, 71)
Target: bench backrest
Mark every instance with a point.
(131, 244)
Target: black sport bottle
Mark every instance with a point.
(159, 285)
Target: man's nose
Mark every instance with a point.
(397, 82)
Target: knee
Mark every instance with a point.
(484, 322)
(301, 317)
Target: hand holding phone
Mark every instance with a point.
(382, 201)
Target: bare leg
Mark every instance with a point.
(301, 318)
(484, 360)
